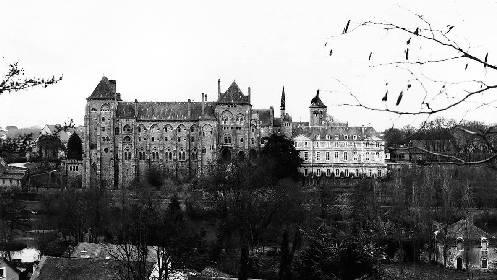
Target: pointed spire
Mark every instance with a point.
(282, 106)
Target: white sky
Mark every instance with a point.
(175, 50)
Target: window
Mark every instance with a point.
(355, 155)
(484, 244)
(306, 155)
(241, 140)
(318, 156)
(127, 139)
(483, 263)
(192, 139)
(354, 137)
(370, 173)
(227, 139)
(192, 129)
(305, 144)
(377, 144)
(367, 155)
(346, 173)
(346, 137)
(357, 172)
(182, 155)
(106, 150)
(328, 172)
(337, 172)
(103, 128)
(318, 172)
(252, 141)
(328, 156)
(152, 139)
(459, 243)
(336, 155)
(127, 128)
(345, 156)
(3, 272)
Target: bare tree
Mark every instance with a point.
(425, 49)
(15, 80)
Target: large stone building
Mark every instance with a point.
(334, 149)
(124, 140)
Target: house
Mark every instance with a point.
(8, 271)
(11, 177)
(466, 246)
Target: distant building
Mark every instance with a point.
(468, 247)
(8, 271)
(123, 140)
(11, 177)
(334, 149)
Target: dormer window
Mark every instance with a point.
(484, 244)
(459, 244)
(346, 137)
(354, 137)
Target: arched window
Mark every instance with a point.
(127, 139)
(105, 107)
(127, 128)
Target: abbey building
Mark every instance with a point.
(123, 141)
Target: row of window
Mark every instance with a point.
(73, 168)
(15, 182)
(345, 156)
(343, 172)
(168, 155)
(336, 144)
(228, 140)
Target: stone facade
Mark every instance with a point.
(467, 247)
(124, 140)
(330, 148)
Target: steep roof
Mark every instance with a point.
(264, 116)
(466, 230)
(155, 111)
(362, 133)
(106, 89)
(233, 95)
(316, 102)
(53, 268)
(105, 251)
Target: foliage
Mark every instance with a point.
(329, 255)
(74, 147)
(15, 80)
(281, 157)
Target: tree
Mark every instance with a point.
(74, 147)
(425, 49)
(15, 80)
(249, 203)
(281, 157)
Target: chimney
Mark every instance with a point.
(203, 104)
(206, 98)
(249, 93)
(218, 89)
(189, 108)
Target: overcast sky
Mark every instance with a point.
(175, 50)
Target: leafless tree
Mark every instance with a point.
(15, 80)
(424, 49)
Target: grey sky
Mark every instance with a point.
(175, 50)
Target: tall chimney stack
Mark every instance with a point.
(249, 93)
(189, 108)
(218, 89)
(203, 104)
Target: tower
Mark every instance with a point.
(99, 144)
(317, 111)
(282, 106)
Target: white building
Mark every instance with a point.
(334, 149)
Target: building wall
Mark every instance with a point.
(474, 256)
(351, 158)
(10, 273)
